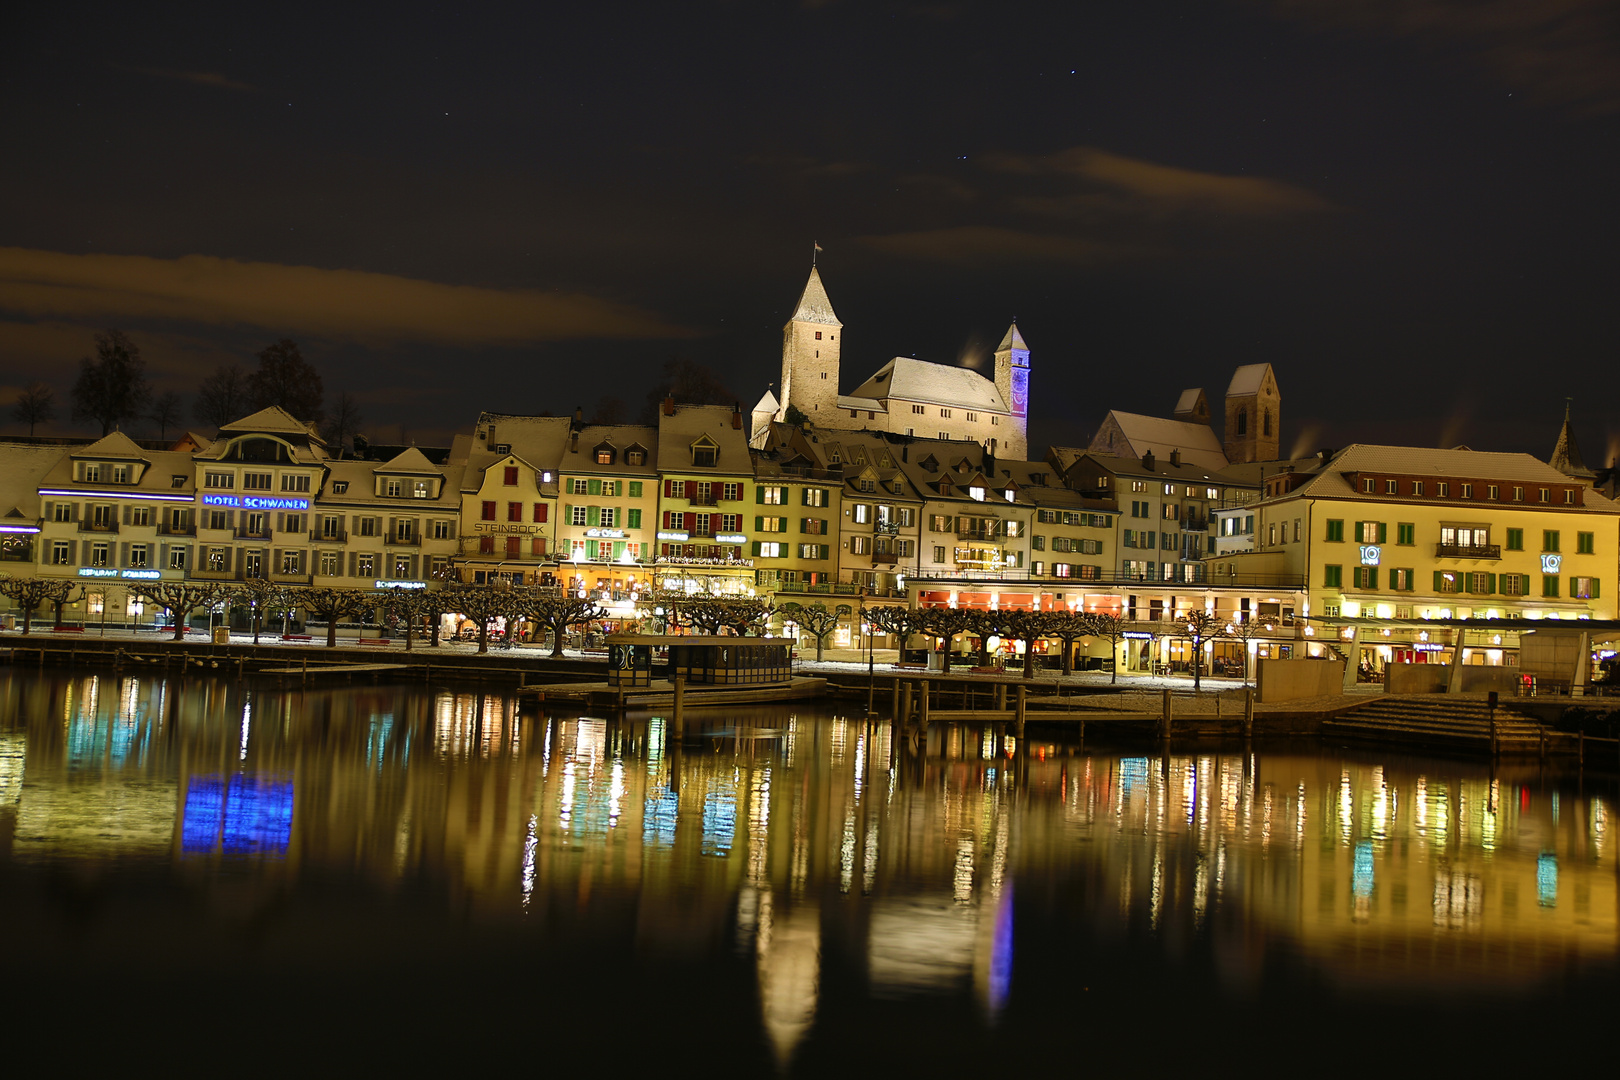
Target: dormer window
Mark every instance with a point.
(120, 474)
(705, 453)
(1011, 495)
(395, 488)
(92, 474)
(976, 493)
(419, 489)
(604, 454)
(868, 485)
(635, 457)
(176, 481)
(340, 487)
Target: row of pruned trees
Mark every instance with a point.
(945, 624)
(418, 611)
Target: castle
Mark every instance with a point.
(905, 395)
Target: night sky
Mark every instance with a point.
(1406, 206)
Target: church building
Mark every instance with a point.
(905, 395)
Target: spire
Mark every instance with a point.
(814, 307)
(1012, 339)
(1566, 455)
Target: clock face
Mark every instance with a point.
(1020, 390)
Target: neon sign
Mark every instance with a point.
(1551, 563)
(614, 534)
(255, 502)
(109, 572)
(1370, 554)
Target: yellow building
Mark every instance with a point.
(608, 514)
(1407, 534)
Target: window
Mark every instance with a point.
(295, 482)
(488, 511)
(177, 558)
(1406, 533)
(101, 517)
(609, 517)
(177, 481)
(1514, 584)
(293, 523)
(510, 475)
(1392, 487)
(580, 487)
(292, 562)
(514, 511)
(946, 413)
(366, 526)
(137, 556)
(1400, 580)
(141, 515)
(365, 565)
(768, 549)
(1169, 489)
(219, 480)
(254, 524)
(944, 435)
(1583, 588)
(92, 474)
(635, 489)
(1441, 488)
(1583, 543)
(860, 545)
(972, 416)
(1545, 495)
(542, 512)
(1468, 491)
(812, 551)
(404, 529)
(771, 496)
(1367, 486)
(731, 492)
(1481, 583)
(1549, 540)
(63, 512)
(1515, 540)
(256, 481)
(1549, 586)
(705, 455)
(98, 554)
(402, 567)
(862, 513)
(393, 488)
(918, 409)
(1518, 494)
(576, 515)
(1417, 487)
(1446, 581)
(61, 552)
(340, 487)
(1366, 577)
(635, 457)
(329, 563)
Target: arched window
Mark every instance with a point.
(1265, 422)
(1243, 421)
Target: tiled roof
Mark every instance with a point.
(814, 306)
(1197, 443)
(1247, 379)
(1332, 482)
(937, 384)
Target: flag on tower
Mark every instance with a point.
(814, 253)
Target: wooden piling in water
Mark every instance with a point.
(1018, 715)
(1248, 711)
(680, 707)
(922, 713)
(1164, 723)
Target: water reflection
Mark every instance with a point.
(806, 843)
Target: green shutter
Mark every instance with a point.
(756, 549)
(759, 495)
(590, 550)
(1463, 582)
(634, 519)
(1383, 532)
(759, 523)
(594, 486)
(618, 549)
(1490, 583)
(593, 515)
(822, 551)
(804, 496)
(781, 525)
(635, 489)
(1438, 581)
(1594, 588)
(1360, 529)
(568, 515)
(1372, 572)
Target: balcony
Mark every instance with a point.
(887, 558)
(703, 500)
(1468, 551)
(335, 536)
(98, 527)
(989, 535)
(262, 533)
(168, 528)
(404, 539)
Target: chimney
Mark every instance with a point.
(905, 452)
(669, 405)
(573, 441)
(1147, 460)
(1326, 454)
(736, 415)
(579, 416)
(1175, 457)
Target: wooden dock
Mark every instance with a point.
(662, 693)
(332, 669)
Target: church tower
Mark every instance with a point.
(1012, 381)
(1253, 415)
(810, 348)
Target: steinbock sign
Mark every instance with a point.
(255, 502)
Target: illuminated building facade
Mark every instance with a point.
(608, 517)
(707, 499)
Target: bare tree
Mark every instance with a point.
(181, 598)
(287, 380)
(1028, 627)
(945, 624)
(417, 608)
(30, 594)
(167, 412)
(817, 618)
(1110, 628)
(610, 410)
(222, 397)
(556, 610)
(112, 388)
(484, 604)
(1069, 627)
(332, 604)
(343, 421)
(899, 621)
(1201, 626)
(35, 405)
(1244, 629)
(689, 383)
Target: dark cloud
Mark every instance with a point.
(351, 305)
(201, 78)
(988, 244)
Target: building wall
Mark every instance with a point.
(810, 361)
(508, 523)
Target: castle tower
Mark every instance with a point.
(810, 348)
(1012, 380)
(1253, 415)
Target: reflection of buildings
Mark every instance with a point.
(797, 841)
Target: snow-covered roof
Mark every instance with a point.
(930, 383)
(1012, 339)
(1246, 380)
(1333, 481)
(1142, 434)
(814, 306)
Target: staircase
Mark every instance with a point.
(1438, 721)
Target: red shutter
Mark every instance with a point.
(489, 511)
(541, 510)
(691, 521)
(669, 489)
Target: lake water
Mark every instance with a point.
(204, 874)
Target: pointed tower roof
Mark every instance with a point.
(1566, 455)
(1012, 339)
(768, 403)
(814, 307)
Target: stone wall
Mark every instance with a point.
(1292, 680)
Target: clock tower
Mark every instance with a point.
(1012, 380)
